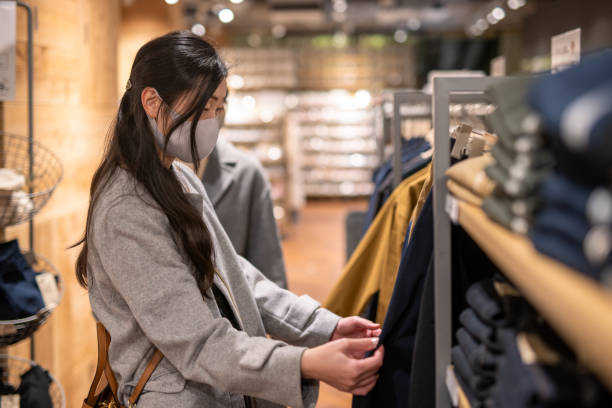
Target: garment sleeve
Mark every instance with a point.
(298, 320)
(263, 245)
(146, 268)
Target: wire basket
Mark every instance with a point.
(47, 172)
(14, 367)
(13, 331)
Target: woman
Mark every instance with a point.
(161, 272)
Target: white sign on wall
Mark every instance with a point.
(565, 50)
(8, 36)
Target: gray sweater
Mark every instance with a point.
(142, 289)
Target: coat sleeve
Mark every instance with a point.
(298, 320)
(147, 270)
(263, 243)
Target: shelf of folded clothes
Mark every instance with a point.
(25, 190)
(575, 305)
(24, 383)
(30, 289)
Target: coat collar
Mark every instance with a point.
(220, 171)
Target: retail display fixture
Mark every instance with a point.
(576, 307)
(43, 172)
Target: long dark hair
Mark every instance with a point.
(177, 65)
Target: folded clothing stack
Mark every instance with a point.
(467, 179)
(575, 222)
(14, 202)
(492, 305)
(19, 292)
(33, 391)
(521, 159)
(533, 373)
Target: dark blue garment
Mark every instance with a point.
(485, 301)
(576, 107)
(484, 333)
(19, 293)
(561, 192)
(542, 386)
(399, 328)
(480, 358)
(383, 176)
(478, 384)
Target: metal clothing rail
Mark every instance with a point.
(466, 90)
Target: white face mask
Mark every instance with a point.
(179, 144)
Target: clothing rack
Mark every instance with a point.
(575, 306)
(460, 89)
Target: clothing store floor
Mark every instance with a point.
(315, 253)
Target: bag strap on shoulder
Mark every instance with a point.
(104, 367)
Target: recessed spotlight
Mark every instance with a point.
(172, 1)
(414, 24)
(226, 16)
(340, 6)
(236, 1)
(279, 31)
(499, 13)
(198, 29)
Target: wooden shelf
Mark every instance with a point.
(458, 397)
(576, 306)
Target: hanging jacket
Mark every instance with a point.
(373, 266)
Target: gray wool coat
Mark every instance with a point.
(142, 289)
(240, 192)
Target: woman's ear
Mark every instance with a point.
(150, 101)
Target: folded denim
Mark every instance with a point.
(550, 243)
(517, 143)
(485, 301)
(481, 331)
(516, 185)
(480, 358)
(498, 209)
(575, 107)
(538, 385)
(594, 202)
(479, 384)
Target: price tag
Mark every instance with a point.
(453, 387)
(452, 208)
(498, 66)
(48, 288)
(565, 50)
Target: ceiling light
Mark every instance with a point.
(279, 31)
(491, 19)
(516, 4)
(481, 24)
(400, 36)
(226, 16)
(198, 29)
(172, 1)
(414, 23)
(499, 13)
(236, 1)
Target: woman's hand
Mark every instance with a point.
(341, 364)
(355, 327)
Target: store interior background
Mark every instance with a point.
(307, 56)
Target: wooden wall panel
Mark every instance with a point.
(75, 73)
